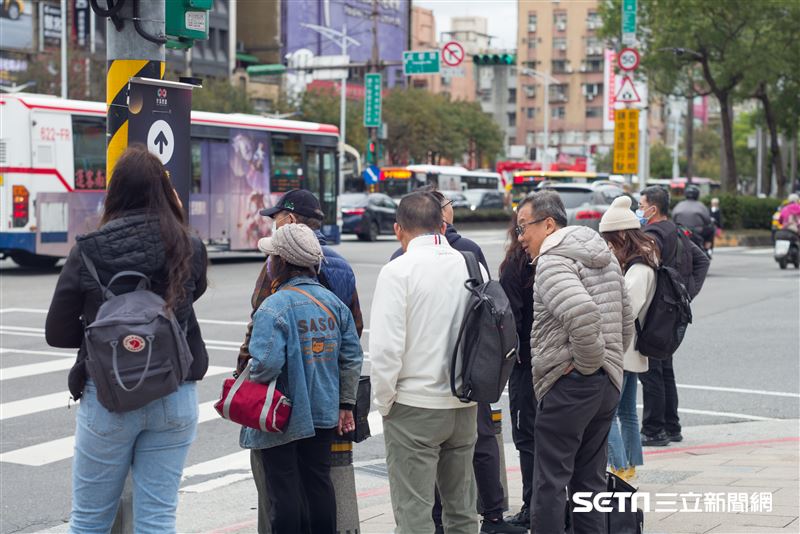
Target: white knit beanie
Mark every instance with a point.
(295, 243)
(619, 216)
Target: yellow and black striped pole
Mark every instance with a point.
(129, 55)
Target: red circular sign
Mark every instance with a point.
(452, 54)
(628, 59)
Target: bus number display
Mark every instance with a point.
(90, 180)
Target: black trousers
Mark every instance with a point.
(660, 396)
(523, 417)
(571, 433)
(486, 463)
(299, 487)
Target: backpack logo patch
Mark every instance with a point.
(134, 343)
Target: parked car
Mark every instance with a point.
(484, 199)
(585, 203)
(367, 215)
(458, 200)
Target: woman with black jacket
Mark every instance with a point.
(516, 277)
(143, 228)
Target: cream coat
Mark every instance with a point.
(582, 314)
(640, 282)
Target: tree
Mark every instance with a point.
(323, 106)
(719, 39)
(221, 97)
(661, 158)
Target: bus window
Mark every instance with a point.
(89, 152)
(287, 162)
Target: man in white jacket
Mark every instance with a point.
(430, 435)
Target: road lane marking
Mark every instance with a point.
(35, 369)
(738, 390)
(53, 401)
(6, 350)
(61, 449)
(732, 415)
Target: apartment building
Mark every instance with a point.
(559, 39)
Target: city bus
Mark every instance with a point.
(52, 175)
(399, 181)
(525, 182)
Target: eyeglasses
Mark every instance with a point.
(520, 228)
(447, 203)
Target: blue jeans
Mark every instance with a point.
(624, 443)
(152, 442)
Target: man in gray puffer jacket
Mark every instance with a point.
(582, 325)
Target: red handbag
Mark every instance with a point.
(254, 405)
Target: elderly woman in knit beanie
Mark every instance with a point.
(306, 337)
(638, 255)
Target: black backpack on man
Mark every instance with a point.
(487, 340)
(670, 312)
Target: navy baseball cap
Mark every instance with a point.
(299, 201)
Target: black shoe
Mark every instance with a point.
(499, 526)
(521, 518)
(676, 437)
(659, 440)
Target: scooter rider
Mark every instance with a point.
(695, 216)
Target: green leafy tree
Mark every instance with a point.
(718, 40)
(323, 106)
(221, 97)
(661, 161)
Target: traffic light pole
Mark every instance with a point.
(131, 51)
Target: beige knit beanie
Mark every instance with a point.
(295, 243)
(619, 216)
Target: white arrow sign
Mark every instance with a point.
(161, 141)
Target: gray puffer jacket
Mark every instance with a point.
(581, 311)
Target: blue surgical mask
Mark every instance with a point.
(642, 219)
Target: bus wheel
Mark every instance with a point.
(33, 261)
(13, 11)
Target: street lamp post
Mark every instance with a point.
(546, 80)
(341, 39)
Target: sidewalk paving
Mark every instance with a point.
(737, 458)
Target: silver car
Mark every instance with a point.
(585, 203)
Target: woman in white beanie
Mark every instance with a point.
(306, 337)
(638, 256)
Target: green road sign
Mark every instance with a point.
(372, 100)
(628, 22)
(426, 62)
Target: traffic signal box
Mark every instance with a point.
(494, 59)
(186, 22)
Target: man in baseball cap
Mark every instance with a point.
(298, 206)
(298, 202)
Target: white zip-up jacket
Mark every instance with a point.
(416, 313)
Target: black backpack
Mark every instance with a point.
(670, 312)
(487, 340)
(137, 351)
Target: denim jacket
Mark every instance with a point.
(318, 362)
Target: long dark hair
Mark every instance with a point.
(629, 245)
(516, 257)
(140, 182)
(281, 271)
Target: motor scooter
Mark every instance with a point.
(787, 248)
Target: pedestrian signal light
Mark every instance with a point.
(494, 59)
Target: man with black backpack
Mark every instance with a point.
(486, 460)
(660, 423)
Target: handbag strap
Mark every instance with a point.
(314, 300)
(226, 406)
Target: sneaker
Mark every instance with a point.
(659, 440)
(676, 437)
(499, 526)
(630, 474)
(521, 518)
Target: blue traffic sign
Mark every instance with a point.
(371, 174)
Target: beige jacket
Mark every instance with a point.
(582, 314)
(640, 282)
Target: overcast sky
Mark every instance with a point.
(502, 15)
